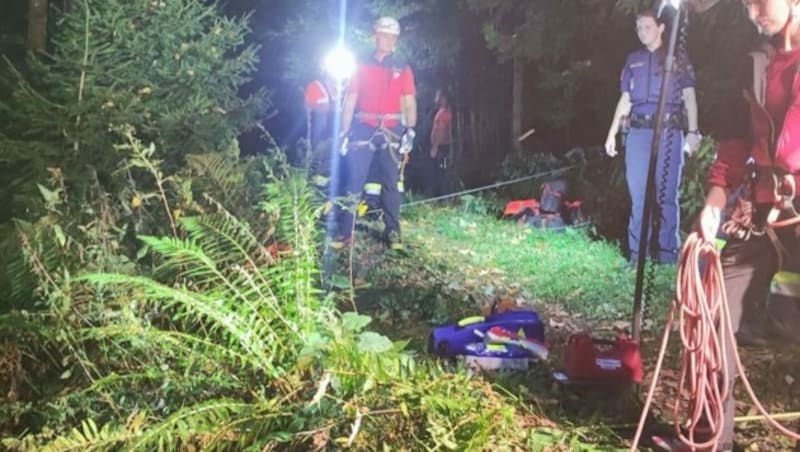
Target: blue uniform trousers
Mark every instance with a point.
(668, 177)
(382, 164)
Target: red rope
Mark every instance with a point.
(706, 331)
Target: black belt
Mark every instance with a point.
(648, 121)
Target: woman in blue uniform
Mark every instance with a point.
(641, 88)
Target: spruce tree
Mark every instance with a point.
(171, 69)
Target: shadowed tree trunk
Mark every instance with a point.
(516, 99)
(37, 25)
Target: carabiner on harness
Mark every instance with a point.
(785, 192)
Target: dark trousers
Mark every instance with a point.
(320, 127)
(749, 267)
(437, 181)
(668, 177)
(324, 162)
(382, 164)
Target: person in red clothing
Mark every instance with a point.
(756, 251)
(440, 143)
(378, 119)
(321, 98)
(320, 103)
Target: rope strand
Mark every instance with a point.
(706, 331)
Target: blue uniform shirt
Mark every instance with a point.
(641, 78)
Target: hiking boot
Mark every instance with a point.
(341, 243)
(394, 242)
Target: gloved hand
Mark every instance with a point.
(344, 143)
(692, 143)
(407, 141)
(708, 223)
(611, 146)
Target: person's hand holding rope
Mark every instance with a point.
(708, 223)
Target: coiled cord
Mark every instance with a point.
(706, 332)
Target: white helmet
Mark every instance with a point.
(388, 25)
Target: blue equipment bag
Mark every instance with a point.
(452, 340)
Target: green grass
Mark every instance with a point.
(568, 268)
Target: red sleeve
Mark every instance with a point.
(447, 117)
(315, 96)
(442, 119)
(728, 170)
(409, 89)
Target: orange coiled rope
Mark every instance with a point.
(706, 332)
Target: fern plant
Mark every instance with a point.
(217, 328)
(694, 182)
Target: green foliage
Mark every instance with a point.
(520, 164)
(225, 306)
(432, 406)
(476, 205)
(694, 183)
(210, 340)
(171, 71)
(567, 268)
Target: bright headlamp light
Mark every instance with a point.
(340, 63)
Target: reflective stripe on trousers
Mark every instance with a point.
(786, 283)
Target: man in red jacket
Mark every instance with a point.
(757, 251)
(378, 119)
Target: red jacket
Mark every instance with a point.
(775, 125)
(380, 86)
(318, 97)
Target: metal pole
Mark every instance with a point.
(650, 193)
(334, 182)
